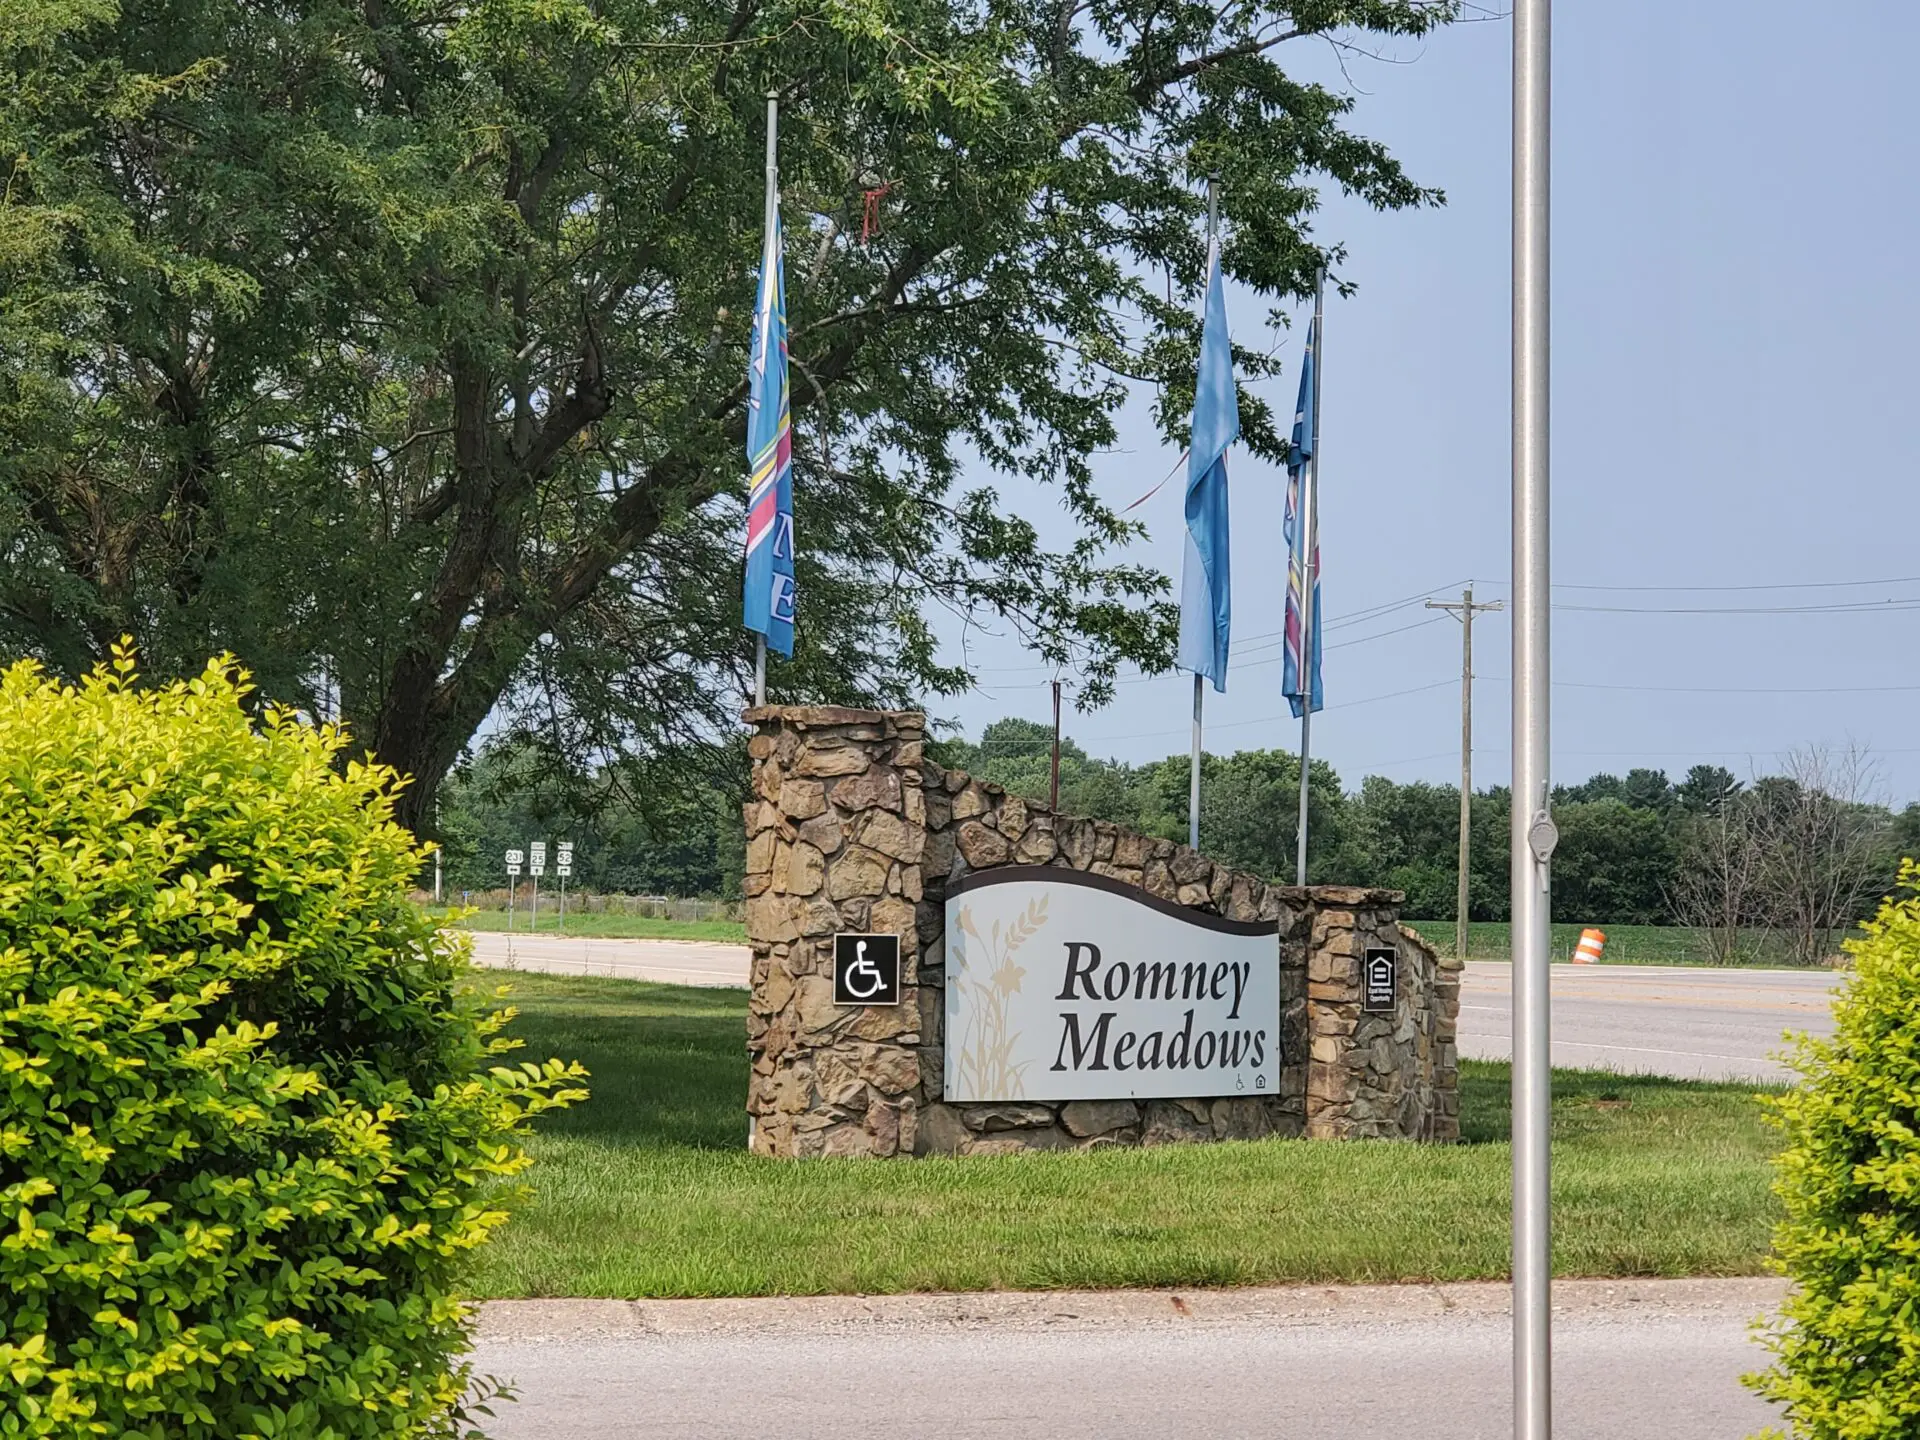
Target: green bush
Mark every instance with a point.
(1847, 1349)
(251, 1118)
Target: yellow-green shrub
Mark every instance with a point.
(250, 1116)
(1847, 1348)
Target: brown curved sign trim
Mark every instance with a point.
(1061, 875)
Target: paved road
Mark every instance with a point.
(1642, 1360)
(679, 962)
(1687, 1022)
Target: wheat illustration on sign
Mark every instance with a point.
(983, 1058)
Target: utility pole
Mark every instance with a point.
(1053, 770)
(1467, 610)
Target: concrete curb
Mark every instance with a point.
(525, 1320)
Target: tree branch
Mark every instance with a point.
(1147, 86)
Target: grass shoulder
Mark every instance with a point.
(604, 926)
(646, 1190)
(1626, 944)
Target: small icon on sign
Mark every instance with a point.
(1379, 981)
(866, 970)
(864, 980)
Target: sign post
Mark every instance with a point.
(537, 866)
(514, 859)
(563, 867)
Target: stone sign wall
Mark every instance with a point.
(851, 828)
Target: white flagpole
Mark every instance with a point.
(1309, 549)
(767, 222)
(1193, 778)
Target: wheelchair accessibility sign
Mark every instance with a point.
(866, 969)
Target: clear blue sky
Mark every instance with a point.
(1736, 190)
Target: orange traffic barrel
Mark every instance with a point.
(1592, 942)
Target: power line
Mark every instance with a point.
(1778, 585)
(1848, 607)
(1274, 639)
(1250, 644)
(1727, 689)
(1239, 724)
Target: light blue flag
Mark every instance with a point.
(1206, 602)
(1298, 460)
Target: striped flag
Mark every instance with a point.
(768, 599)
(1299, 458)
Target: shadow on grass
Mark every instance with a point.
(668, 1062)
(669, 1068)
(1587, 1100)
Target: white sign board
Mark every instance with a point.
(539, 848)
(1068, 986)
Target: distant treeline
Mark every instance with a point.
(1803, 853)
(634, 831)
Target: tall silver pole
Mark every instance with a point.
(1533, 833)
(1310, 545)
(1193, 776)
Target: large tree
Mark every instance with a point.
(397, 346)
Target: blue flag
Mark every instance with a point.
(1299, 458)
(1206, 609)
(768, 598)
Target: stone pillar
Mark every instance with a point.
(835, 831)
(1385, 1074)
(850, 828)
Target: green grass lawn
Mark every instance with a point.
(646, 1190)
(611, 927)
(1626, 944)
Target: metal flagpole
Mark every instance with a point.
(1533, 833)
(1193, 778)
(1310, 546)
(767, 220)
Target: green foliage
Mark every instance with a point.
(400, 349)
(251, 1119)
(1613, 862)
(1632, 851)
(1847, 1350)
(636, 829)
